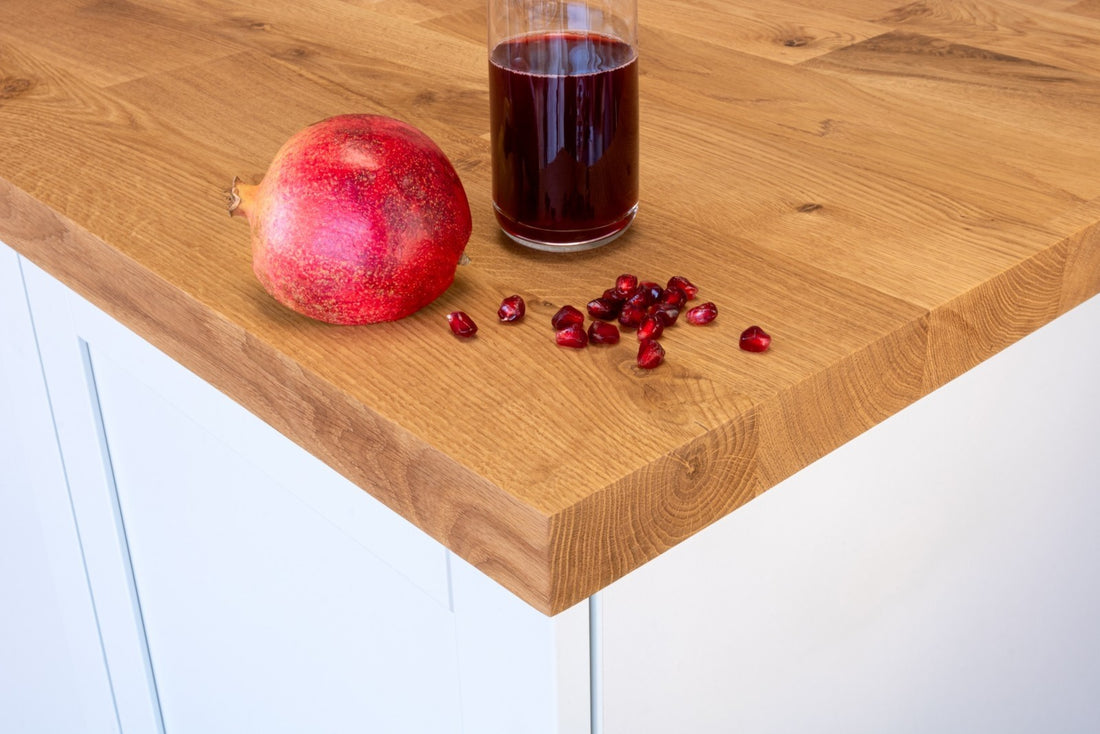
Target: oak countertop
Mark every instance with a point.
(895, 191)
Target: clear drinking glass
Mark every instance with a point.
(563, 90)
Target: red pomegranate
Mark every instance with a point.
(359, 219)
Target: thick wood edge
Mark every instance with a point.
(615, 531)
(554, 562)
(612, 532)
(469, 515)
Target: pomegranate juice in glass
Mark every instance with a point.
(563, 90)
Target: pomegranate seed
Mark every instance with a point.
(650, 328)
(640, 298)
(755, 339)
(601, 332)
(511, 309)
(653, 291)
(573, 336)
(604, 308)
(566, 316)
(673, 297)
(626, 283)
(461, 324)
(631, 315)
(650, 354)
(704, 313)
(679, 281)
(613, 295)
(665, 313)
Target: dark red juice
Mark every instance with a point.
(564, 116)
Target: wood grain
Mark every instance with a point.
(896, 191)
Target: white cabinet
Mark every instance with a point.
(52, 673)
(259, 612)
(940, 573)
(239, 584)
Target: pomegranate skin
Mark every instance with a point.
(359, 219)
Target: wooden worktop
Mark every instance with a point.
(895, 191)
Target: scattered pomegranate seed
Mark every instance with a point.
(626, 283)
(461, 324)
(573, 336)
(604, 308)
(673, 297)
(665, 313)
(639, 298)
(643, 305)
(679, 281)
(631, 315)
(755, 339)
(704, 313)
(601, 332)
(650, 354)
(652, 290)
(650, 328)
(566, 316)
(511, 309)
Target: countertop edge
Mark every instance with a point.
(552, 562)
(479, 522)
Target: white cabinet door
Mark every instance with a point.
(238, 596)
(940, 573)
(260, 614)
(52, 673)
(242, 585)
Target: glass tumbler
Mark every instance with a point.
(563, 91)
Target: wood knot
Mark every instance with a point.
(919, 9)
(796, 41)
(809, 207)
(294, 53)
(11, 86)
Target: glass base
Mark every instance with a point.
(556, 240)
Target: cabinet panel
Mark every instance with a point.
(260, 614)
(243, 585)
(522, 672)
(939, 573)
(52, 674)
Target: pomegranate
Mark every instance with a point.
(359, 219)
